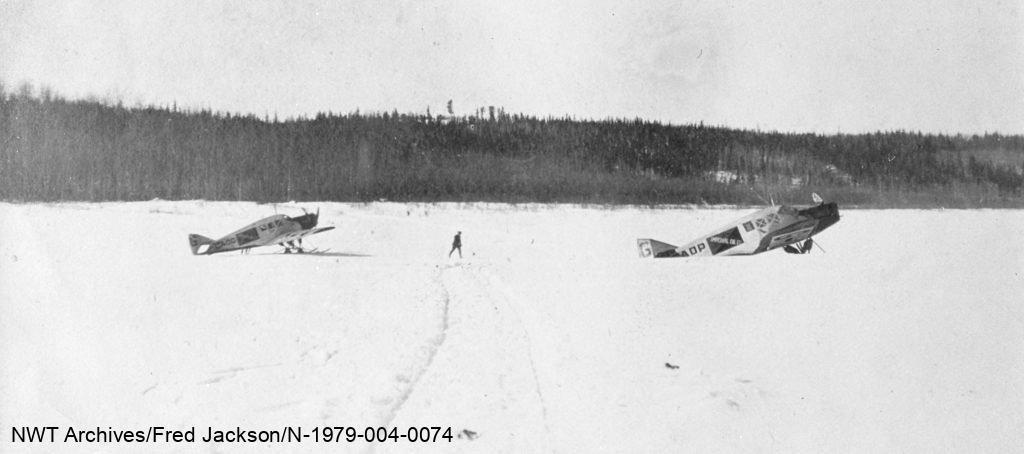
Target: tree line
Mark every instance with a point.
(53, 148)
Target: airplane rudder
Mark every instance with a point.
(197, 241)
(653, 248)
(644, 247)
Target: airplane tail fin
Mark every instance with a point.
(196, 242)
(655, 248)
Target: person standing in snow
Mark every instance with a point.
(456, 244)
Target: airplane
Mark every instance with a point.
(766, 229)
(277, 229)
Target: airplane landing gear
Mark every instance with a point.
(802, 249)
(291, 245)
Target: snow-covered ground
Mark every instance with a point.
(551, 334)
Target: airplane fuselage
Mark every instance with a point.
(259, 233)
(761, 231)
(277, 229)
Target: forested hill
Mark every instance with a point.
(56, 149)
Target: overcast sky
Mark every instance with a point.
(821, 66)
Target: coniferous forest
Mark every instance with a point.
(54, 149)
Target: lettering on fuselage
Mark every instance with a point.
(693, 250)
(725, 240)
(270, 225)
(224, 243)
(721, 240)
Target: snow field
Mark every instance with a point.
(907, 334)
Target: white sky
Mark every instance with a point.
(822, 66)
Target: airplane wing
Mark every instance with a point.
(298, 234)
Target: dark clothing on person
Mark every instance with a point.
(456, 244)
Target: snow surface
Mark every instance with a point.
(551, 334)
